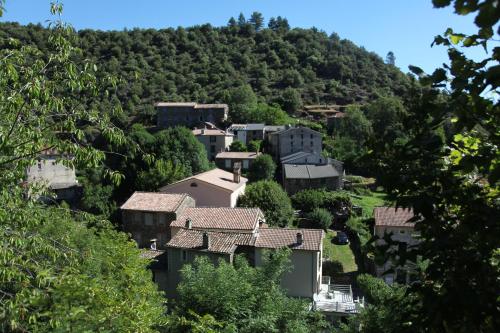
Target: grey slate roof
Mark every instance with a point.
(309, 171)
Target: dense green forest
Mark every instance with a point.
(282, 65)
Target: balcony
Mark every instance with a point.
(336, 298)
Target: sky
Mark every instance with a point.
(405, 27)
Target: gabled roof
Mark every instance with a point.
(210, 132)
(220, 218)
(274, 128)
(276, 238)
(216, 177)
(154, 202)
(219, 242)
(309, 171)
(247, 127)
(297, 155)
(190, 104)
(391, 216)
(295, 129)
(238, 155)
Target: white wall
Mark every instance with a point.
(204, 194)
(48, 171)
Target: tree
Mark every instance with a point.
(321, 217)
(257, 20)
(237, 145)
(241, 100)
(451, 181)
(254, 145)
(262, 168)
(271, 199)
(242, 21)
(291, 100)
(390, 59)
(243, 298)
(268, 114)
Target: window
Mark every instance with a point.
(312, 143)
(212, 148)
(213, 138)
(302, 136)
(184, 255)
(193, 185)
(291, 137)
(401, 231)
(311, 136)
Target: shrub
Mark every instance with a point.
(262, 168)
(321, 218)
(308, 200)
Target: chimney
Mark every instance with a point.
(152, 244)
(237, 172)
(300, 238)
(206, 241)
(189, 223)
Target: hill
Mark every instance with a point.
(290, 67)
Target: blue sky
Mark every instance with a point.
(406, 27)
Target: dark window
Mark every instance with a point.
(311, 136)
(184, 255)
(312, 143)
(213, 138)
(291, 137)
(194, 185)
(212, 149)
(302, 136)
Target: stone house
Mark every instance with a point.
(190, 114)
(214, 140)
(399, 225)
(247, 132)
(214, 188)
(226, 160)
(50, 172)
(298, 177)
(293, 140)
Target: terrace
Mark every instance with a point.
(336, 299)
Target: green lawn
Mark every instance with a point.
(368, 202)
(340, 253)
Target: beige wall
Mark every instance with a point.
(236, 194)
(222, 143)
(48, 172)
(205, 195)
(305, 276)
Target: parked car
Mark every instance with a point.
(342, 238)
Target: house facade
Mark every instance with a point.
(247, 132)
(298, 177)
(398, 224)
(189, 114)
(293, 140)
(50, 172)
(226, 160)
(214, 140)
(214, 188)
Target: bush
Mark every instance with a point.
(321, 218)
(262, 168)
(308, 200)
(254, 145)
(237, 146)
(332, 268)
(271, 199)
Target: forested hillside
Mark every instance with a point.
(203, 63)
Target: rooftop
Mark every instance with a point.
(219, 242)
(247, 127)
(190, 104)
(310, 171)
(295, 129)
(238, 154)
(217, 177)
(154, 202)
(210, 132)
(391, 216)
(276, 238)
(220, 218)
(296, 155)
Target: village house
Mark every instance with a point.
(226, 160)
(214, 188)
(303, 157)
(172, 232)
(398, 224)
(215, 140)
(293, 140)
(189, 114)
(247, 132)
(298, 177)
(50, 172)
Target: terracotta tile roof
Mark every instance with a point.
(211, 132)
(275, 238)
(390, 216)
(221, 218)
(217, 177)
(219, 242)
(238, 154)
(154, 202)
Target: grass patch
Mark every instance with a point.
(341, 253)
(368, 202)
